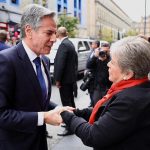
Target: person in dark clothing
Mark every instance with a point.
(25, 84)
(120, 120)
(65, 70)
(97, 63)
(3, 38)
(94, 45)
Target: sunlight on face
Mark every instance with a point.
(115, 72)
(44, 37)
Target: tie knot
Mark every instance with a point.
(37, 61)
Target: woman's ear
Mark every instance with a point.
(128, 75)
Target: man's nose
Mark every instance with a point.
(53, 38)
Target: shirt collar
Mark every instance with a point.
(64, 38)
(32, 55)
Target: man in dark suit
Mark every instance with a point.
(65, 69)
(25, 86)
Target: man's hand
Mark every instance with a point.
(65, 108)
(96, 52)
(53, 117)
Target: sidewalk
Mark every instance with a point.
(71, 142)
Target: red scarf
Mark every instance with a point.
(114, 89)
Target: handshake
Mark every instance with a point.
(53, 117)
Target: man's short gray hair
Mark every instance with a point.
(133, 53)
(33, 15)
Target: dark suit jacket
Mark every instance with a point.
(65, 64)
(20, 100)
(124, 124)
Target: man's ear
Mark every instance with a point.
(28, 31)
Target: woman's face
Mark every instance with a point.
(115, 72)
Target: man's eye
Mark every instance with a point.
(49, 33)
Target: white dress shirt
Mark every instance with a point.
(32, 56)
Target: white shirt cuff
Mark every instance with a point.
(40, 118)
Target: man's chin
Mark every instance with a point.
(47, 51)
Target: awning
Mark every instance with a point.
(9, 17)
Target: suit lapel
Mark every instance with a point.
(45, 63)
(29, 71)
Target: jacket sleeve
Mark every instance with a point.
(91, 62)
(117, 123)
(11, 118)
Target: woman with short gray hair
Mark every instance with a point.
(120, 120)
(133, 53)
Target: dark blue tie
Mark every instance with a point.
(37, 62)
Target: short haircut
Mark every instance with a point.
(105, 45)
(97, 43)
(62, 31)
(132, 54)
(33, 15)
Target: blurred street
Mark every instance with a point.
(71, 142)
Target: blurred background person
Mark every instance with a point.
(90, 72)
(145, 37)
(97, 63)
(124, 122)
(3, 38)
(65, 70)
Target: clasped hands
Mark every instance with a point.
(53, 117)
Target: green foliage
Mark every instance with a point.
(131, 32)
(106, 34)
(70, 23)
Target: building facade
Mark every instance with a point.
(109, 15)
(9, 14)
(93, 15)
(143, 27)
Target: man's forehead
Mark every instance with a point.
(48, 27)
(48, 22)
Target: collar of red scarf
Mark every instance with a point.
(115, 88)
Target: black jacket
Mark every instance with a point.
(65, 64)
(100, 73)
(124, 123)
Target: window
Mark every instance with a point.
(75, 14)
(65, 9)
(79, 16)
(58, 8)
(65, 1)
(80, 4)
(86, 45)
(80, 44)
(75, 3)
(14, 1)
